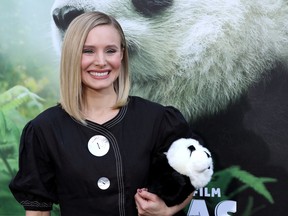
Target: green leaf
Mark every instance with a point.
(16, 96)
(256, 183)
(223, 178)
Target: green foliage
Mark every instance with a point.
(8, 136)
(26, 59)
(16, 96)
(250, 181)
(11, 123)
(10, 119)
(224, 178)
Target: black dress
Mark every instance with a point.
(93, 169)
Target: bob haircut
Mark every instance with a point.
(71, 95)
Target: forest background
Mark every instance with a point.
(28, 81)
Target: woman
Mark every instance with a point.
(92, 153)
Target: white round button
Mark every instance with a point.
(98, 145)
(103, 183)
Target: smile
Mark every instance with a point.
(98, 74)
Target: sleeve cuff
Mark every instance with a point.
(36, 206)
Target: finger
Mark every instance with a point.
(140, 211)
(146, 195)
(138, 201)
(141, 202)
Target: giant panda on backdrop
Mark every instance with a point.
(223, 63)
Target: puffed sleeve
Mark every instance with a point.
(34, 184)
(173, 126)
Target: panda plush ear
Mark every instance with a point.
(191, 159)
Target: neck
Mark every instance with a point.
(98, 106)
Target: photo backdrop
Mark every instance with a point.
(222, 64)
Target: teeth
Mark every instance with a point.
(99, 74)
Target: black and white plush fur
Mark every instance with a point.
(186, 166)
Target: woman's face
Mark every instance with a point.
(101, 58)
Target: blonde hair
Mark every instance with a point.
(71, 95)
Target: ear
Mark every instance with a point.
(122, 53)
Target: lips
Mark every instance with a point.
(99, 74)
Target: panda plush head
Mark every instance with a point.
(185, 167)
(191, 159)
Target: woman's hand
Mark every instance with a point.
(149, 204)
(37, 213)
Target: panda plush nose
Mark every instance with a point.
(63, 16)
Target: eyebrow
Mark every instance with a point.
(108, 46)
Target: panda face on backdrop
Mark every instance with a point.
(198, 56)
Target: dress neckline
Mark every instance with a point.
(110, 123)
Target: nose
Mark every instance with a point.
(63, 16)
(99, 60)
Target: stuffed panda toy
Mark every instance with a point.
(185, 167)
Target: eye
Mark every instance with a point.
(208, 155)
(191, 149)
(111, 51)
(87, 51)
(150, 8)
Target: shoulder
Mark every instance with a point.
(54, 114)
(150, 108)
(144, 104)
(51, 112)
(140, 107)
(140, 100)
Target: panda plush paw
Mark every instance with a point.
(185, 167)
